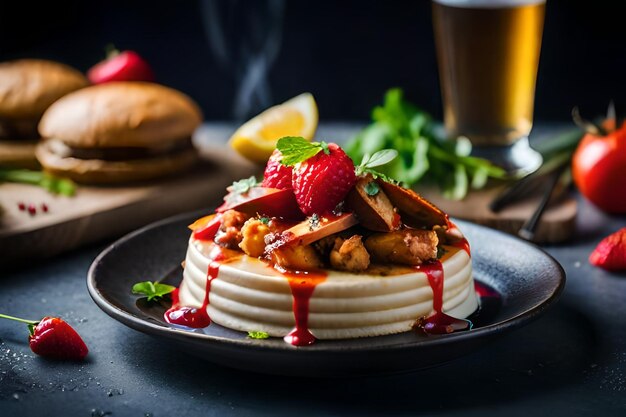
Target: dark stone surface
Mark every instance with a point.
(570, 362)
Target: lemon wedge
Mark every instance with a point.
(256, 139)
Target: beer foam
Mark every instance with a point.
(488, 4)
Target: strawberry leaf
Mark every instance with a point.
(296, 149)
(152, 290)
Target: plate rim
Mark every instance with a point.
(140, 324)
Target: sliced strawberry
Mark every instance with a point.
(610, 253)
(55, 339)
(276, 174)
(270, 202)
(322, 181)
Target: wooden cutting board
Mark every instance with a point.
(96, 213)
(556, 225)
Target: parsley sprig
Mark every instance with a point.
(50, 183)
(423, 151)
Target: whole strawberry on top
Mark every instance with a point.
(322, 173)
(276, 174)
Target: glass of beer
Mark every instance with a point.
(488, 53)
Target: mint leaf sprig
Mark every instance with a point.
(296, 149)
(50, 183)
(152, 290)
(243, 186)
(378, 159)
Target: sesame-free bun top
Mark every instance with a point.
(121, 114)
(29, 86)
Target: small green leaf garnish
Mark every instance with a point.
(296, 149)
(371, 188)
(152, 290)
(258, 335)
(379, 158)
(50, 183)
(314, 222)
(264, 220)
(243, 186)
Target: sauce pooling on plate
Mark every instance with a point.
(196, 318)
(438, 322)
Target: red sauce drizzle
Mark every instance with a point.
(438, 322)
(302, 284)
(483, 291)
(193, 317)
(462, 244)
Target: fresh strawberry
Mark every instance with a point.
(610, 253)
(322, 173)
(53, 338)
(121, 66)
(276, 174)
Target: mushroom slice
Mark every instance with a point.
(313, 229)
(372, 206)
(415, 210)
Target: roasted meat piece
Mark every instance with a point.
(349, 254)
(229, 235)
(253, 237)
(407, 246)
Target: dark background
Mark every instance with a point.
(347, 53)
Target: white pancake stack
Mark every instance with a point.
(249, 295)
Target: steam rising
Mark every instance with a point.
(245, 38)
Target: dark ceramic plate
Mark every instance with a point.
(526, 279)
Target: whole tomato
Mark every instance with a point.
(599, 169)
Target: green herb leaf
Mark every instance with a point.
(152, 290)
(314, 222)
(423, 151)
(50, 183)
(264, 220)
(371, 188)
(296, 149)
(243, 186)
(258, 335)
(456, 185)
(379, 158)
